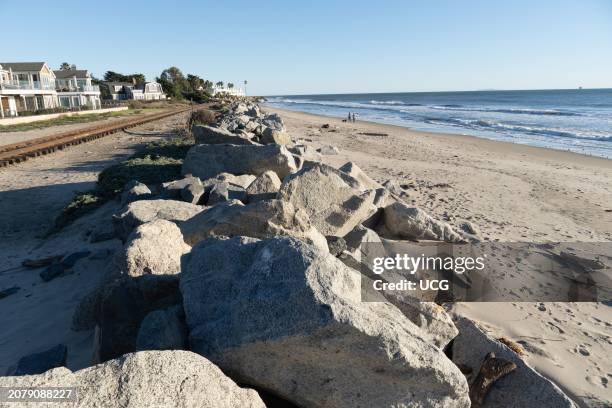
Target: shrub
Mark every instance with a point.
(158, 163)
(136, 104)
(203, 117)
(80, 205)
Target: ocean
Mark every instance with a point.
(578, 120)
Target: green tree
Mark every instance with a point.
(111, 76)
(173, 82)
(230, 85)
(208, 85)
(219, 84)
(195, 82)
(65, 66)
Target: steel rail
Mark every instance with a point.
(22, 151)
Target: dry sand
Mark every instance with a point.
(32, 194)
(514, 193)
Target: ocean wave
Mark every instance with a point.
(341, 104)
(397, 105)
(480, 124)
(517, 111)
(375, 102)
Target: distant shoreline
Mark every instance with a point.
(497, 145)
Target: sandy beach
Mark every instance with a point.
(513, 193)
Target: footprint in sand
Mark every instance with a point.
(582, 349)
(596, 380)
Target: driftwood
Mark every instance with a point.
(374, 134)
(491, 370)
(38, 263)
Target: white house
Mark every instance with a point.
(74, 89)
(26, 86)
(147, 91)
(228, 91)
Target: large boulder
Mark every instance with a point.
(274, 121)
(145, 379)
(261, 219)
(226, 187)
(140, 212)
(243, 180)
(306, 153)
(253, 111)
(239, 108)
(289, 318)
(219, 193)
(365, 181)
(122, 305)
(432, 318)
(133, 191)
(331, 198)
(154, 248)
(403, 221)
(243, 120)
(363, 246)
(188, 189)
(214, 135)
(524, 387)
(264, 187)
(273, 136)
(207, 161)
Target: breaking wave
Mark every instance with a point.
(479, 124)
(518, 111)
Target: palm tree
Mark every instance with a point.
(65, 66)
(219, 84)
(245, 84)
(230, 85)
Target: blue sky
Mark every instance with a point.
(286, 47)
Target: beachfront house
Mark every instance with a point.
(227, 91)
(147, 91)
(75, 90)
(26, 87)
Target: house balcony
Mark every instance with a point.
(79, 88)
(27, 85)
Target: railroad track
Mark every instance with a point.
(22, 151)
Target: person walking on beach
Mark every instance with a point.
(353, 117)
(349, 117)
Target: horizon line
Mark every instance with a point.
(471, 90)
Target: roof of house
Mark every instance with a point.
(69, 73)
(142, 85)
(23, 66)
(118, 83)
